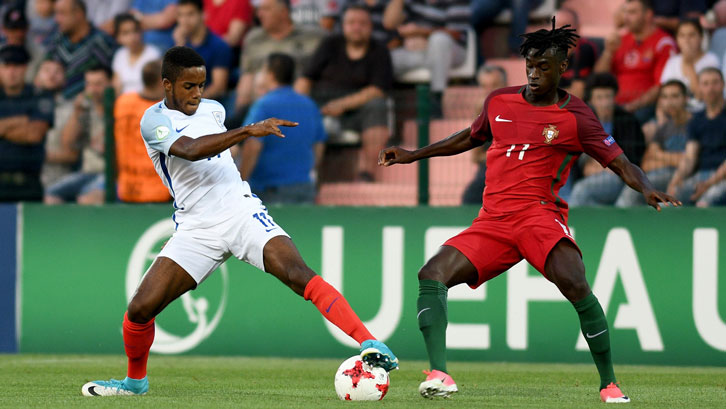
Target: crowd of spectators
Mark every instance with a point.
(655, 83)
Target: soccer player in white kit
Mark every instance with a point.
(216, 216)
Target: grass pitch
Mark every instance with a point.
(54, 381)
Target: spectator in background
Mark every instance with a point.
(132, 56)
(434, 36)
(349, 76)
(157, 19)
(637, 59)
(483, 13)
(15, 31)
(42, 23)
(692, 59)
(191, 32)
(25, 116)
(489, 78)
(666, 146)
(229, 19)
(669, 13)
(101, 13)
(581, 58)
(319, 13)
(83, 138)
(279, 169)
(78, 45)
(697, 179)
(277, 33)
(51, 79)
(137, 180)
(376, 8)
(601, 186)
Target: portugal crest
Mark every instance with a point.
(550, 133)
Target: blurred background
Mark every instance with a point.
(77, 76)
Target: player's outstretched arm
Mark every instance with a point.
(634, 177)
(456, 143)
(209, 145)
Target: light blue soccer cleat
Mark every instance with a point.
(114, 387)
(376, 353)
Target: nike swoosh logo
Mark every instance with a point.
(419, 313)
(92, 391)
(269, 230)
(331, 304)
(599, 333)
(498, 119)
(179, 130)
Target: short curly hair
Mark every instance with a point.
(177, 59)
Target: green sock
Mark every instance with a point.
(432, 320)
(595, 329)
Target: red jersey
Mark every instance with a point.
(219, 16)
(533, 148)
(639, 65)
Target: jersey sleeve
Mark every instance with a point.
(593, 138)
(481, 128)
(158, 131)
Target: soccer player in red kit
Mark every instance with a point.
(537, 132)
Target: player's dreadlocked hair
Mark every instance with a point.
(561, 39)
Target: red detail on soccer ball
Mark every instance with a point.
(356, 380)
(383, 387)
(357, 373)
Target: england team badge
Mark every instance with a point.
(218, 116)
(550, 133)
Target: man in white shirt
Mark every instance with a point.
(216, 216)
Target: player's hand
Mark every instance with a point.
(269, 126)
(701, 188)
(612, 41)
(655, 198)
(332, 108)
(393, 155)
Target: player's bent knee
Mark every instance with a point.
(299, 276)
(428, 272)
(573, 287)
(139, 313)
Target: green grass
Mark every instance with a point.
(54, 381)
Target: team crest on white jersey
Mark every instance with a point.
(218, 116)
(162, 132)
(550, 133)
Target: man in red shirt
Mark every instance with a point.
(637, 58)
(537, 132)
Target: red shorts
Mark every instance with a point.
(493, 244)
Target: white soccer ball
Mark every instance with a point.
(356, 380)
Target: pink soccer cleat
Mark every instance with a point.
(437, 383)
(613, 394)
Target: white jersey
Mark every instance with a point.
(206, 192)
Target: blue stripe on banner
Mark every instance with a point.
(8, 277)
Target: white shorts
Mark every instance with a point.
(200, 251)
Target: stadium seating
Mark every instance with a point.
(544, 11)
(449, 175)
(516, 74)
(467, 70)
(462, 102)
(597, 17)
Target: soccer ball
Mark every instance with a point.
(356, 380)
